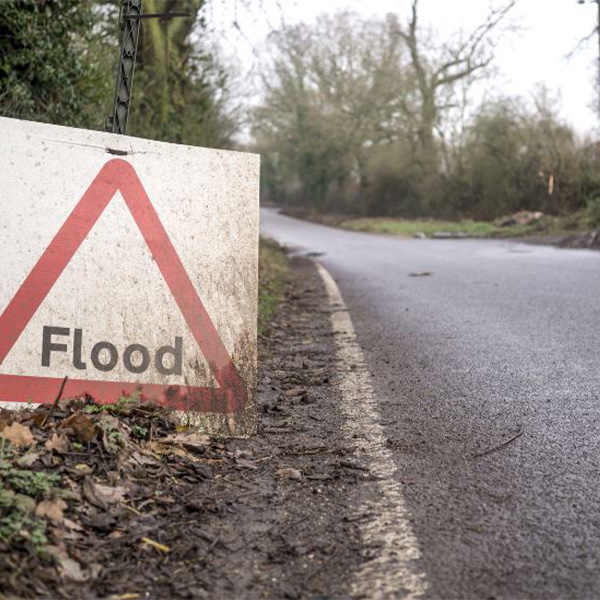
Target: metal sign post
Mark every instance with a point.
(129, 21)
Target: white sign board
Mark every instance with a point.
(129, 266)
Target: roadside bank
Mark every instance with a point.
(564, 232)
(124, 504)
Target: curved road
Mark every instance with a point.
(500, 339)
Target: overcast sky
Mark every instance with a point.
(551, 29)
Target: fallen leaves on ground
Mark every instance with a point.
(273, 506)
(289, 473)
(80, 483)
(191, 440)
(18, 435)
(27, 460)
(71, 569)
(102, 495)
(80, 427)
(59, 443)
(52, 510)
(295, 392)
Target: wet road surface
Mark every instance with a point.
(486, 372)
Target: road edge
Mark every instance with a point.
(393, 571)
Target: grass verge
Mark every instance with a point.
(406, 228)
(272, 272)
(546, 226)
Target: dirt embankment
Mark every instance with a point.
(589, 240)
(122, 503)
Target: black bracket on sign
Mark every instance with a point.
(129, 21)
(157, 15)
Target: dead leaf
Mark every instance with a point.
(172, 450)
(116, 534)
(142, 458)
(246, 464)
(79, 427)
(27, 459)
(73, 525)
(295, 392)
(51, 509)
(73, 488)
(289, 473)
(164, 499)
(59, 443)
(39, 419)
(71, 569)
(239, 453)
(191, 440)
(102, 495)
(18, 435)
(83, 468)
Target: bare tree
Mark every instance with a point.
(467, 58)
(583, 41)
(331, 93)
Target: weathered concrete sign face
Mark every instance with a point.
(129, 266)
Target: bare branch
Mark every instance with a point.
(413, 46)
(493, 20)
(470, 48)
(413, 20)
(459, 61)
(581, 43)
(469, 69)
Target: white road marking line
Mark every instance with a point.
(393, 573)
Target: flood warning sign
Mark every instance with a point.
(130, 274)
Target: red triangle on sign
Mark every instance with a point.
(119, 175)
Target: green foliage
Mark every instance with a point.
(47, 72)
(547, 225)
(32, 483)
(58, 62)
(329, 90)
(365, 117)
(593, 212)
(19, 491)
(125, 402)
(122, 406)
(272, 270)
(516, 158)
(140, 432)
(181, 92)
(408, 228)
(394, 182)
(17, 527)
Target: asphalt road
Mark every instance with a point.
(500, 338)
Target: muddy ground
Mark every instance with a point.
(154, 512)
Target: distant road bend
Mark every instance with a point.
(500, 341)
